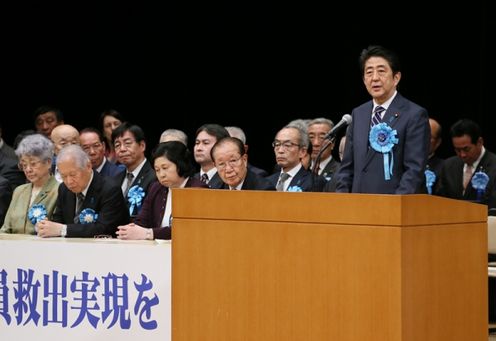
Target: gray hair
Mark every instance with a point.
(36, 145)
(299, 122)
(237, 132)
(76, 153)
(321, 120)
(304, 140)
(176, 134)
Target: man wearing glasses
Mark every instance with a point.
(231, 162)
(93, 144)
(290, 147)
(130, 145)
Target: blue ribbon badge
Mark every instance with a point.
(88, 216)
(294, 189)
(479, 183)
(382, 139)
(37, 213)
(430, 179)
(135, 198)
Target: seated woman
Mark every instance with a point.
(35, 200)
(174, 168)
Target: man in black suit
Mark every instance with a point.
(93, 144)
(387, 143)
(290, 146)
(130, 145)
(231, 161)
(206, 136)
(87, 205)
(10, 171)
(471, 161)
(317, 129)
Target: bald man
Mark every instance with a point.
(62, 136)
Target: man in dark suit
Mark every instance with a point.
(130, 145)
(290, 146)
(5, 148)
(317, 129)
(93, 144)
(206, 136)
(471, 160)
(10, 171)
(87, 205)
(387, 143)
(231, 161)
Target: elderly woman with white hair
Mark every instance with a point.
(35, 200)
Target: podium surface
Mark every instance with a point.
(252, 265)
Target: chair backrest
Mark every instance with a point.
(491, 234)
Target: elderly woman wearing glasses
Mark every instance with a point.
(35, 200)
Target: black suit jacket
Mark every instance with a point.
(362, 168)
(330, 169)
(110, 169)
(450, 183)
(10, 171)
(254, 182)
(214, 183)
(104, 197)
(145, 178)
(304, 179)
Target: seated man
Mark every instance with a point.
(87, 205)
(93, 143)
(231, 162)
(290, 147)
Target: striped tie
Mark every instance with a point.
(376, 119)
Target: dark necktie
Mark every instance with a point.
(204, 178)
(377, 118)
(79, 206)
(130, 177)
(280, 183)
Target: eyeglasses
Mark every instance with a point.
(285, 145)
(94, 146)
(31, 164)
(232, 163)
(125, 143)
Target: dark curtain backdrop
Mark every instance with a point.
(254, 64)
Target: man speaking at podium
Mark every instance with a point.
(387, 143)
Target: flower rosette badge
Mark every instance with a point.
(430, 179)
(479, 183)
(294, 189)
(88, 216)
(37, 213)
(382, 139)
(135, 198)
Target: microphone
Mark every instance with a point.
(345, 121)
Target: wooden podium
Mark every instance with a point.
(269, 266)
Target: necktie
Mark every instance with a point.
(377, 118)
(204, 178)
(280, 183)
(130, 177)
(467, 175)
(79, 206)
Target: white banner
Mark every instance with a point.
(84, 289)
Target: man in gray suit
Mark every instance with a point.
(387, 144)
